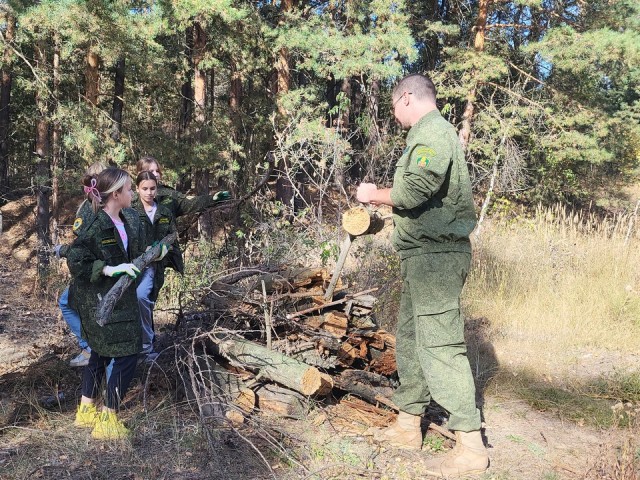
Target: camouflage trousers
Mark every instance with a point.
(430, 350)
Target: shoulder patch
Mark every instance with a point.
(77, 224)
(424, 155)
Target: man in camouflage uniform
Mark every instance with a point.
(434, 214)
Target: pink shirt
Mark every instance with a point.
(121, 230)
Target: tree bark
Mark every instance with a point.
(369, 386)
(42, 166)
(118, 99)
(275, 366)
(106, 303)
(56, 136)
(186, 108)
(284, 188)
(284, 78)
(5, 101)
(279, 401)
(92, 77)
(205, 221)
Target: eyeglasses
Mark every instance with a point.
(393, 106)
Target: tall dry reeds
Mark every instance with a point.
(558, 282)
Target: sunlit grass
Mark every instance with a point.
(558, 282)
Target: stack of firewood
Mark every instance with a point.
(279, 341)
(284, 335)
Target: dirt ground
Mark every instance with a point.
(328, 443)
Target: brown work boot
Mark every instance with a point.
(404, 433)
(468, 457)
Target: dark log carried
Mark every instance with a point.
(108, 302)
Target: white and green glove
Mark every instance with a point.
(124, 268)
(164, 249)
(221, 196)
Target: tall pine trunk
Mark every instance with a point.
(205, 222)
(5, 101)
(56, 150)
(92, 77)
(186, 110)
(478, 44)
(42, 166)
(118, 100)
(284, 187)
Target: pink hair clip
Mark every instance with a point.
(93, 190)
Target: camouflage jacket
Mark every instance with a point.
(433, 203)
(163, 224)
(84, 215)
(99, 244)
(180, 204)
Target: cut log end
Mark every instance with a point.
(236, 418)
(356, 221)
(316, 383)
(246, 400)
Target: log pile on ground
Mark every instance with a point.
(277, 342)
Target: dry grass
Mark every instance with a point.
(558, 286)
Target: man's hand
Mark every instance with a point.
(364, 192)
(124, 268)
(221, 196)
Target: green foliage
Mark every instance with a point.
(554, 88)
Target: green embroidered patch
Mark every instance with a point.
(109, 241)
(424, 155)
(164, 220)
(77, 224)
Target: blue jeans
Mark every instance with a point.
(145, 305)
(72, 318)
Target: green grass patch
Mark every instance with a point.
(603, 403)
(620, 387)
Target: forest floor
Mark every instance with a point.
(39, 393)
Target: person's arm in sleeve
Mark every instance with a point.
(186, 205)
(423, 176)
(83, 264)
(61, 251)
(369, 193)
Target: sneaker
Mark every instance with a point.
(86, 415)
(81, 360)
(108, 427)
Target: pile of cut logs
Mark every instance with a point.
(284, 336)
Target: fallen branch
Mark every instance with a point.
(330, 304)
(108, 302)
